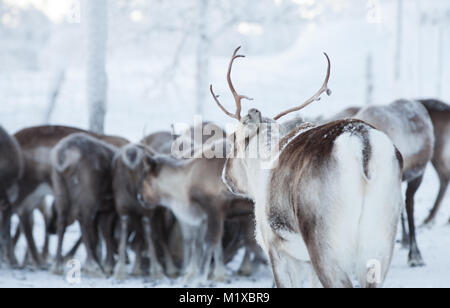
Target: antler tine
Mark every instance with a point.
(216, 98)
(238, 98)
(315, 98)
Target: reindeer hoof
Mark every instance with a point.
(416, 261)
(172, 272)
(244, 272)
(427, 224)
(120, 275)
(188, 279)
(138, 271)
(220, 275)
(108, 269)
(57, 269)
(94, 271)
(157, 275)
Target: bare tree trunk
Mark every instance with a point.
(399, 41)
(420, 50)
(54, 96)
(202, 56)
(440, 74)
(369, 79)
(97, 35)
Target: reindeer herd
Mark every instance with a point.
(319, 202)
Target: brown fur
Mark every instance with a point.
(203, 193)
(11, 166)
(128, 174)
(300, 200)
(310, 153)
(36, 144)
(239, 232)
(82, 182)
(11, 170)
(440, 115)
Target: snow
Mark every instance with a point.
(434, 244)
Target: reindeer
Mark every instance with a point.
(409, 126)
(193, 190)
(82, 182)
(239, 233)
(205, 134)
(440, 115)
(349, 112)
(128, 172)
(11, 170)
(160, 142)
(329, 195)
(36, 144)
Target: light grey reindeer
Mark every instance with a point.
(409, 126)
(440, 115)
(332, 196)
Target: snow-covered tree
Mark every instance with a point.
(202, 56)
(96, 37)
(399, 41)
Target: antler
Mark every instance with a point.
(316, 96)
(238, 98)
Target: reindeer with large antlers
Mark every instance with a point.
(332, 197)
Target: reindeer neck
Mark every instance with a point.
(172, 179)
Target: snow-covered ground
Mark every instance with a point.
(434, 244)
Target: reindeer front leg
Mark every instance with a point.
(212, 242)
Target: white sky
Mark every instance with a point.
(56, 10)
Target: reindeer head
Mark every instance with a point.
(150, 194)
(255, 133)
(133, 165)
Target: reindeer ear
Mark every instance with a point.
(153, 164)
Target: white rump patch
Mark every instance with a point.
(132, 164)
(72, 156)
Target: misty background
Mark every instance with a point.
(141, 65)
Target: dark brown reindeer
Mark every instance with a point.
(36, 144)
(129, 170)
(11, 170)
(239, 232)
(409, 126)
(332, 196)
(82, 185)
(440, 115)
